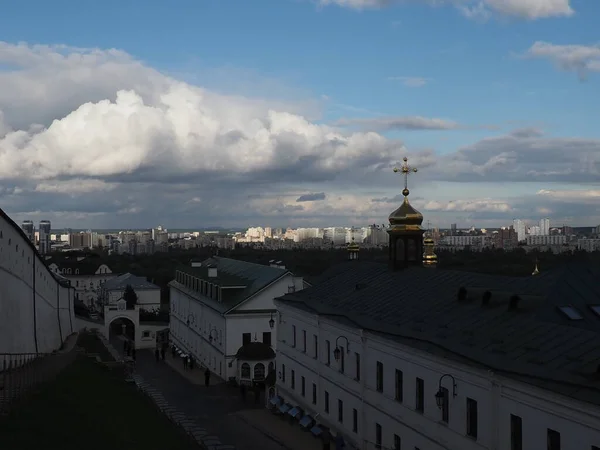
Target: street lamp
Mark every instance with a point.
(210, 337)
(440, 396)
(338, 352)
(272, 322)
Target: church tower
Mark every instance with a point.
(405, 231)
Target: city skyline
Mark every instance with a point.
(235, 115)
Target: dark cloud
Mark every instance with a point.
(311, 197)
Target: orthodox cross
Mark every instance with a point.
(406, 170)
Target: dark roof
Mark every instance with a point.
(419, 307)
(36, 254)
(255, 351)
(128, 279)
(249, 277)
(85, 267)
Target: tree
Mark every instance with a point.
(130, 297)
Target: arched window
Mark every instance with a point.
(76, 271)
(399, 250)
(245, 373)
(259, 371)
(411, 250)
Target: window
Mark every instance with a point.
(303, 386)
(553, 440)
(445, 405)
(399, 382)
(378, 438)
(316, 346)
(397, 442)
(379, 380)
(327, 402)
(246, 338)
(304, 341)
(314, 399)
(293, 379)
(342, 359)
(267, 338)
(293, 335)
(420, 396)
(570, 312)
(328, 350)
(340, 411)
(355, 420)
(516, 433)
(283, 373)
(471, 417)
(357, 359)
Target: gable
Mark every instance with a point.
(264, 299)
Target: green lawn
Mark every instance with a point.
(89, 407)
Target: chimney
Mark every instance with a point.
(212, 272)
(280, 265)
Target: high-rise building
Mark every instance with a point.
(544, 227)
(29, 229)
(520, 229)
(45, 227)
(452, 229)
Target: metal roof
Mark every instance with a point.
(128, 279)
(420, 307)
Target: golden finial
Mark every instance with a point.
(406, 170)
(536, 271)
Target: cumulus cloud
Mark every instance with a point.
(522, 9)
(98, 138)
(382, 124)
(581, 59)
(311, 197)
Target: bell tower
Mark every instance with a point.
(405, 231)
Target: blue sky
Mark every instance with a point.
(352, 62)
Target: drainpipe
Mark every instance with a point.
(495, 403)
(58, 311)
(70, 310)
(318, 361)
(362, 388)
(35, 339)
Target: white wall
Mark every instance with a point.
(149, 297)
(497, 397)
(24, 320)
(205, 322)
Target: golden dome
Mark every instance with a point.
(429, 256)
(406, 217)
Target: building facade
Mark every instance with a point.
(86, 276)
(221, 304)
(408, 356)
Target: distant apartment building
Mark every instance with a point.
(44, 237)
(29, 230)
(520, 229)
(550, 240)
(80, 240)
(588, 245)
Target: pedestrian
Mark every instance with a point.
(189, 362)
(156, 354)
(173, 351)
(243, 392)
(128, 348)
(162, 353)
(133, 353)
(207, 377)
(192, 363)
(185, 362)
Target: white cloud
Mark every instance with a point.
(478, 9)
(577, 58)
(577, 195)
(413, 82)
(124, 119)
(469, 205)
(400, 123)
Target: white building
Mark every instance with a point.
(148, 294)
(36, 305)
(545, 240)
(86, 276)
(221, 304)
(403, 356)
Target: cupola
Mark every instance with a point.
(429, 257)
(353, 250)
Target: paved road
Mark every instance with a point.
(211, 408)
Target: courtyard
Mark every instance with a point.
(89, 406)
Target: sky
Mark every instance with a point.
(202, 113)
